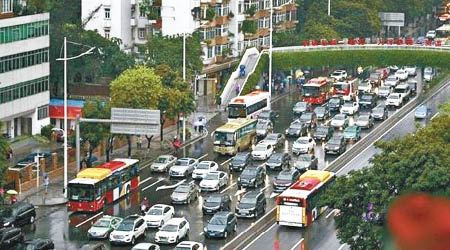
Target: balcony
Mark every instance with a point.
(107, 23)
(133, 22)
(132, 2)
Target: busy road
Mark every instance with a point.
(157, 187)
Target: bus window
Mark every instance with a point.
(224, 138)
(81, 192)
(237, 111)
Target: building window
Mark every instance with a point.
(210, 52)
(142, 34)
(107, 33)
(23, 31)
(7, 6)
(42, 112)
(23, 89)
(23, 60)
(107, 13)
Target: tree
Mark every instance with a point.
(169, 50)
(319, 31)
(286, 38)
(419, 162)
(137, 88)
(4, 150)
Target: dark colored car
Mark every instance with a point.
(413, 87)
(185, 193)
(306, 162)
(252, 204)
(279, 161)
(323, 133)
(40, 244)
(297, 128)
(17, 214)
(309, 119)
(285, 179)
(221, 224)
(322, 112)
(29, 159)
(10, 238)
(268, 115)
(240, 161)
(335, 103)
(215, 203)
(252, 176)
(301, 107)
(365, 121)
(380, 112)
(368, 100)
(336, 145)
(96, 246)
(274, 139)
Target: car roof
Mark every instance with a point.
(216, 195)
(188, 243)
(402, 86)
(176, 220)
(243, 153)
(206, 162)
(216, 172)
(186, 159)
(277, 134)
(162, 206)
(338, 136)
(20, 204)
(132, 217)
(263, 144)
(222, 214)
(252, 193)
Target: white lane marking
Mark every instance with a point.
(259, 236)
(274, 195)
(230, 186)
(89, 219)
(342, 246)
(151, 185)
(144, 181)
(171, 186)
(332, 212)
(203, 156)
(192, 182)
(225, 162)
(265, 187)
(239, 192)
(298, 243)
(201, 233)
(434, 116)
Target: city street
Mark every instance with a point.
(72, 233)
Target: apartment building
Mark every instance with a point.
(24, 71)
(227, 26)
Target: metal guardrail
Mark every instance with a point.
(245, 237)
(359, 47)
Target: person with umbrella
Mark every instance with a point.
(12, 196)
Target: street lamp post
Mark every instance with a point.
(65, 59)
(184, 79)
(270, 48)
(329, 7)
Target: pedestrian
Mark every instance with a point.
(138, 142)
(46, 182)
(237, 89)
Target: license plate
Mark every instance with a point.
(208, 210)
(244, 212)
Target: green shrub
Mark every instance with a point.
(46, 131)
(210, 13)
(253, 79)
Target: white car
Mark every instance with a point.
(339, 121)
(404, 90)
(384, 91)
(131, 228)
(262, 151)
(431, 34)
(163, 163)
(394, 99)
(428, 74)
(190, 245)
(401, 74)
(158, 214)
(145, 246)
(303, 145)
(174, 230)
(392, 80)
(365, 86)
(213, 181)
(203, 168)
(350, 108)
(263, 127)
(339, 75)
(183, 167)
(412, 70)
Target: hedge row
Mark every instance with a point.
(348, 58)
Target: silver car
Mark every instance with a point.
(163, 163)
(183, 167)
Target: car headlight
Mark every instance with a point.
(6, 224)
(205, 229)
(239, 179)
(286, 131)
(253, 180)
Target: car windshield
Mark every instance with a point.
(161, 160)
(214, 199)
(421, 109)
(182, 189)
(339, 117)
(6, 212)
(366, 97)
(155, 211)
(302, 141)
(260, 148)
(284, 176)
(296, 124)
(335, 141)
(319, 110)
(304, 158)
(394, 97)
(217, 220)
(377, 110)
(212, 176)
(306, 116)
(125, 226)
(385, 89)
(182, 163)
(321, 130)
(249, 172)
(363, 118)
(392, 78)
(351, 129)
(203, 166)
(264, 115)
(261, 125)
(275, 158)
(272, 137)
(335, 100)
(169, 228)
(300, 105)
(102, 223)
(348, 104)
(248, 200)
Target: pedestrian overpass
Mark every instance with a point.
(292, 57)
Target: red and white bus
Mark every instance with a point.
(95, 187)
(348, 89)
(297, 205)
(248, 106)
(317, 90)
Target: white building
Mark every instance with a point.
(24, 71)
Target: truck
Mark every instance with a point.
(348, 90)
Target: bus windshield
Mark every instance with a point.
(79, 192)
(311, 91)
(237, 111)
(341, 86)
(223, 138)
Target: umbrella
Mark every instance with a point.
(12, 192)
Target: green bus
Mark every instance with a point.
(235, 136)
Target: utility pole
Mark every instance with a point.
(329, 7)
(270, 48)
(184, 79)
(65, 118)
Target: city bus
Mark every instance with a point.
(317, 90)
(443, 34)
(297, 205)
(248, 106)
(95, 187)
(235, 136)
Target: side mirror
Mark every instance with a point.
(136, 229)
